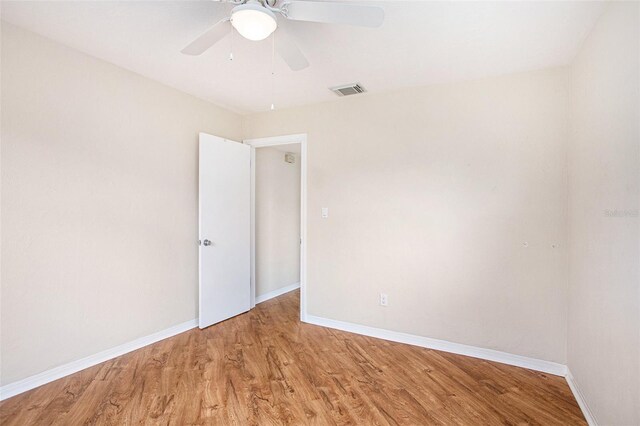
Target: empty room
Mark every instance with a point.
(309, 212)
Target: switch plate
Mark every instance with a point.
(325, 212)
(384, 299)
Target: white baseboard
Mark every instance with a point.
(582, 402)
(472, 351)
(15, 388)
(277, 292)
(442, 345)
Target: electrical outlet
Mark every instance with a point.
(384, 299)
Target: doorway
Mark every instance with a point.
(278, 217)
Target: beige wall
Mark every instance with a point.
(604, 229)
(99, 203)
(432, 193)
(277, 221)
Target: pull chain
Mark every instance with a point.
(273, 73)
(233, 34)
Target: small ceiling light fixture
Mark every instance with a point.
(253, 21)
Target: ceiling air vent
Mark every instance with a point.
(349, 89)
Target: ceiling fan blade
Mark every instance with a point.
(208, 38)
(335, 13)
(289, 51)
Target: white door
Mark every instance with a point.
(225, 214)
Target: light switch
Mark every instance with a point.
(325, 212)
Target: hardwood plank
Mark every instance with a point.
(265, 367)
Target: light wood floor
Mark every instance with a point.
(265, 367)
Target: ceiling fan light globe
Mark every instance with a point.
(253, 21)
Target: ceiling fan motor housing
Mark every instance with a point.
(253, 21)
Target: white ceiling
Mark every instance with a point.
(420, 43)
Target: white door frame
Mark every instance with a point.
(300, 138)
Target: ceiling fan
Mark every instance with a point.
(257, 19)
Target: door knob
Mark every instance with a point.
(206, 242)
